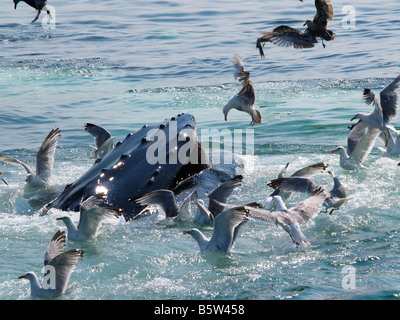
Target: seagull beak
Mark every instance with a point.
(59, 219)
(333, 151)
(21, 277)
(352, 118)
(185, 232)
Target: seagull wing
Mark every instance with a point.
(55, 247)
(338, 189)
(308, 209)
(324, 11)
(185, 212)
(226, 227)
(164, 199)
(203, 215)
(222, 193)
(311, 170)
(286, 36)
(369, 97)
(99, 134)
(355, 135)
(45, 155)
(389, 100)
(283, 173)
(294, 184)
(240, 74)
(90, 219)
(365, 145)
(64, 264)
(8, 159)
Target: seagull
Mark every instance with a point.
(91, 215)
(226, 229)
(286, 36)
(290, 219)
(36, 4)
(393, 146)
(58, 265)
(305, 172)
(360, 142)
(244, 100)
(44, 161)
(333, 199)
(104, 143)
(166, 201)
(206, 215)
(385, 109)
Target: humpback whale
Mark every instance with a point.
(160, 156)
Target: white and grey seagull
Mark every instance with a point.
(360, 142)
(305, 172)
(226, 229)
(59, 265)
(104, 142)
(334, 199)
(244, 100)
(206, 215)
(166, 201)
(91, 216)
(44, 161)
(290, 219)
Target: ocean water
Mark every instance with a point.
(122, 64)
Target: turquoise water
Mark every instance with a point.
(121, 64)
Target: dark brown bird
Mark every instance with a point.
(286, 36)
(39, 5)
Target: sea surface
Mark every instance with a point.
(123, 64)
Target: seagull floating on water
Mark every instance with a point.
(244, 100)
(286, 36)
(44, 161)
(59, 264)
(91, 215)
(39, 5)
(104, 142)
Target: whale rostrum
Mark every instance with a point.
(159, 156)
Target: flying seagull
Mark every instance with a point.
(244, 100)
(290, 219)
(334, 199)
(91, 215)
(59, 265)
(385, 110)
(39, 5)
(305, 172)
(286, 36)
(44, 161)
